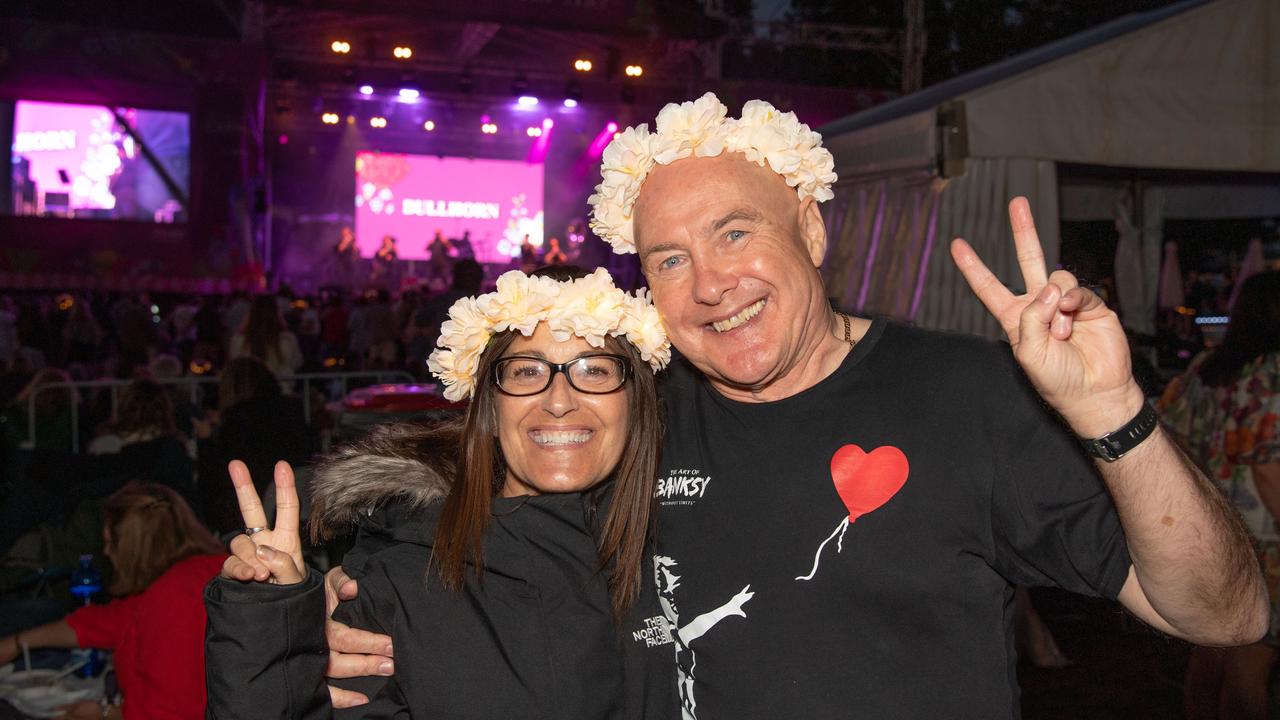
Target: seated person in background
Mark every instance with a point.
(256, 423)
(162, 558)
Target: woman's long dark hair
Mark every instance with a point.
(621, 537)
(1253, 331)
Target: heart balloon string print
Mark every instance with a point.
(865, 481)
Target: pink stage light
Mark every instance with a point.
(591, 157)
(541, 143)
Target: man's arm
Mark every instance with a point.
(1194, 574)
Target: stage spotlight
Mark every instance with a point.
(582, 65)
(533, 131)
(613, 126)
(409, 94)
(526, 101)
(634, 71)
(377, 121)
(402, 52)
(366, 89)
(570, 103)
(548, 123)
(342, 47)
(429, 125)
(329, 118)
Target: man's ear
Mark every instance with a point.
(813, 231)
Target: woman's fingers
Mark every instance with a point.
(245, 552)
(286, 500)
(283, 569)
(250, 505)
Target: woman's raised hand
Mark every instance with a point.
(265, 554)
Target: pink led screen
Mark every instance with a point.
(410, 197)
(97, 161)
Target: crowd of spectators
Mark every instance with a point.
(179, 435)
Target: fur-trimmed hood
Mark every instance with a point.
(398, 463)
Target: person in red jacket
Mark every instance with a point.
(162, 557)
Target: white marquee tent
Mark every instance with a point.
(1180, 106)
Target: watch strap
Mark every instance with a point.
(1115, 445)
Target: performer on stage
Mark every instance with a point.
(384, 261)
(440, 261)
(345, 255)
(554, 256)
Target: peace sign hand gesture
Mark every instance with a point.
(266, 555)
(1070, 344)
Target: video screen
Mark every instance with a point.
(100, 162)
(484, 208)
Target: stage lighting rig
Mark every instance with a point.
(402, 52)
(582, 65)
(377, 121)
(429, 126)
(572, 94)
(533, 131)
(329, 118)
(634, 71)
(341, 47)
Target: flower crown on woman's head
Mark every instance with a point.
(589, 307)
(700, 129)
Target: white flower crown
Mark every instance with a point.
(699, 128)
(589, 307)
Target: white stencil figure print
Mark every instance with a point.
(684, 635)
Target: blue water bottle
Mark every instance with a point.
(86, 582)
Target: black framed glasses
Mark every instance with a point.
(592, 374)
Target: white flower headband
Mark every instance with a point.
(699, 128)
(589, 307)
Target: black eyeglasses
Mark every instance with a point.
(592, 374)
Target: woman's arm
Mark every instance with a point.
(55, 634)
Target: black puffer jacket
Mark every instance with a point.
(535, 639)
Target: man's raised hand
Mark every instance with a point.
(1069, 343)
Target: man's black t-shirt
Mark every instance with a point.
(849, 551)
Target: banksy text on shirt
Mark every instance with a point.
(682, 486)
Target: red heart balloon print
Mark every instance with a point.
(865, 480)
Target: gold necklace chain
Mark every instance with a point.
(848, 331)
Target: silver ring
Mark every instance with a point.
(251, 531)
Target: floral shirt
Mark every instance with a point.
(1227, 430)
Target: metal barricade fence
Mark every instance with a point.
(336, 384)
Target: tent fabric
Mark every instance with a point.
(1138, 256)
(1199, 90)
(893, 255)
(1192, 86)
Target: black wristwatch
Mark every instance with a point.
(1114, 445)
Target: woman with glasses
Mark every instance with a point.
(506, 554)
